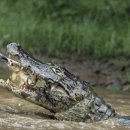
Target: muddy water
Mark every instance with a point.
(18, 114)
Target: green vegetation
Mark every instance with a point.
(67, 27)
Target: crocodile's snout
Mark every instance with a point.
(13, 48)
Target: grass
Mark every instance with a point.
(65, 27)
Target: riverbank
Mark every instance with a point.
(68, 27)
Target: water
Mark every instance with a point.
(18, 114)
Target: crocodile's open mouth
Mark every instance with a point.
(24, 78)
(27, 71)
(20, 77)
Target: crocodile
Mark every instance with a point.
(65, 95)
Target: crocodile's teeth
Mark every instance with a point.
(7, 81)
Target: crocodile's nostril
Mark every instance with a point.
(11, 64)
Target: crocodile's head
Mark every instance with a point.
(50, 72)
(25, 74)
(57, 77)
(33, 89)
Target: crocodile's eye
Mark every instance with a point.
(58, 71)
(11, 63)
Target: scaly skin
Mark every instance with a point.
(68, 97)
